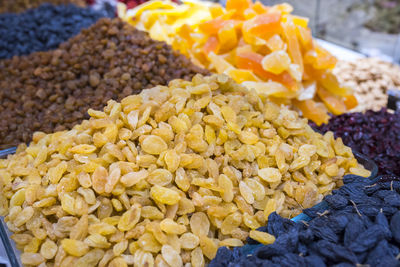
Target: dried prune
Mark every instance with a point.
(334, 252)
(368, 239)
(336, 201)
(395, 226)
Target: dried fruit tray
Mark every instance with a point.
(13, 253)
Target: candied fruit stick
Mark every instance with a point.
(227, 38)
(240, 76)
(293, 44)
(271, 88)
(220, 64)
(334, 103)
(350, 101)
(264, 26)
(259, 8)
(320, 58)
(238, 6)
(216, 10)
(252, 61)
(312, 111)
(284, 8)
(212, 27)
(212, 45)
(305, 37)
(330, 82)
(300, 21)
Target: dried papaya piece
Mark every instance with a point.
(238, 6)
(264, 25)
(216, 11)
(330, 82)
(289, 30)
(259, 8)
(227, 38)
(350, 101)
(320, 58)
(312, 111)
(270, 88)
(212, 45)
(252, 61)
(334, 103)
(220, 64)
(241, 76)
(305, 37)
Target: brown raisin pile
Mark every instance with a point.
(51, 91)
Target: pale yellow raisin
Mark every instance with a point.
(154, 145)
(74, 247)
(199, 224)
(262, 237)
(171, 256)
(164, 195)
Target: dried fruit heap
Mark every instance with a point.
(265, 48)
(376, 134)
(31, 31)
(359, 226)
(166, 176)
(53, 90)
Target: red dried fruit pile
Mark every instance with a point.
(375, 134)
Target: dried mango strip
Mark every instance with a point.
(264, 47)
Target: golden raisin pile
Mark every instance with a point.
(166, 177)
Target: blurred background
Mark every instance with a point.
(370, 27)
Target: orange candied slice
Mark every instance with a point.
(293, 44)
(350, 101)
(312, 111)
(264, 25)
(330, 82)
(276, 62)
(212, 45)
(334, 103)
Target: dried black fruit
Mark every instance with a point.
(395, 226)
(334, 252)
(336, 201)
(43, 28)
(368, 239)
(382, 221)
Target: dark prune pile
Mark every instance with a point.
(360, 225)
(43, 28)
(53, 90)
(376, 134)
